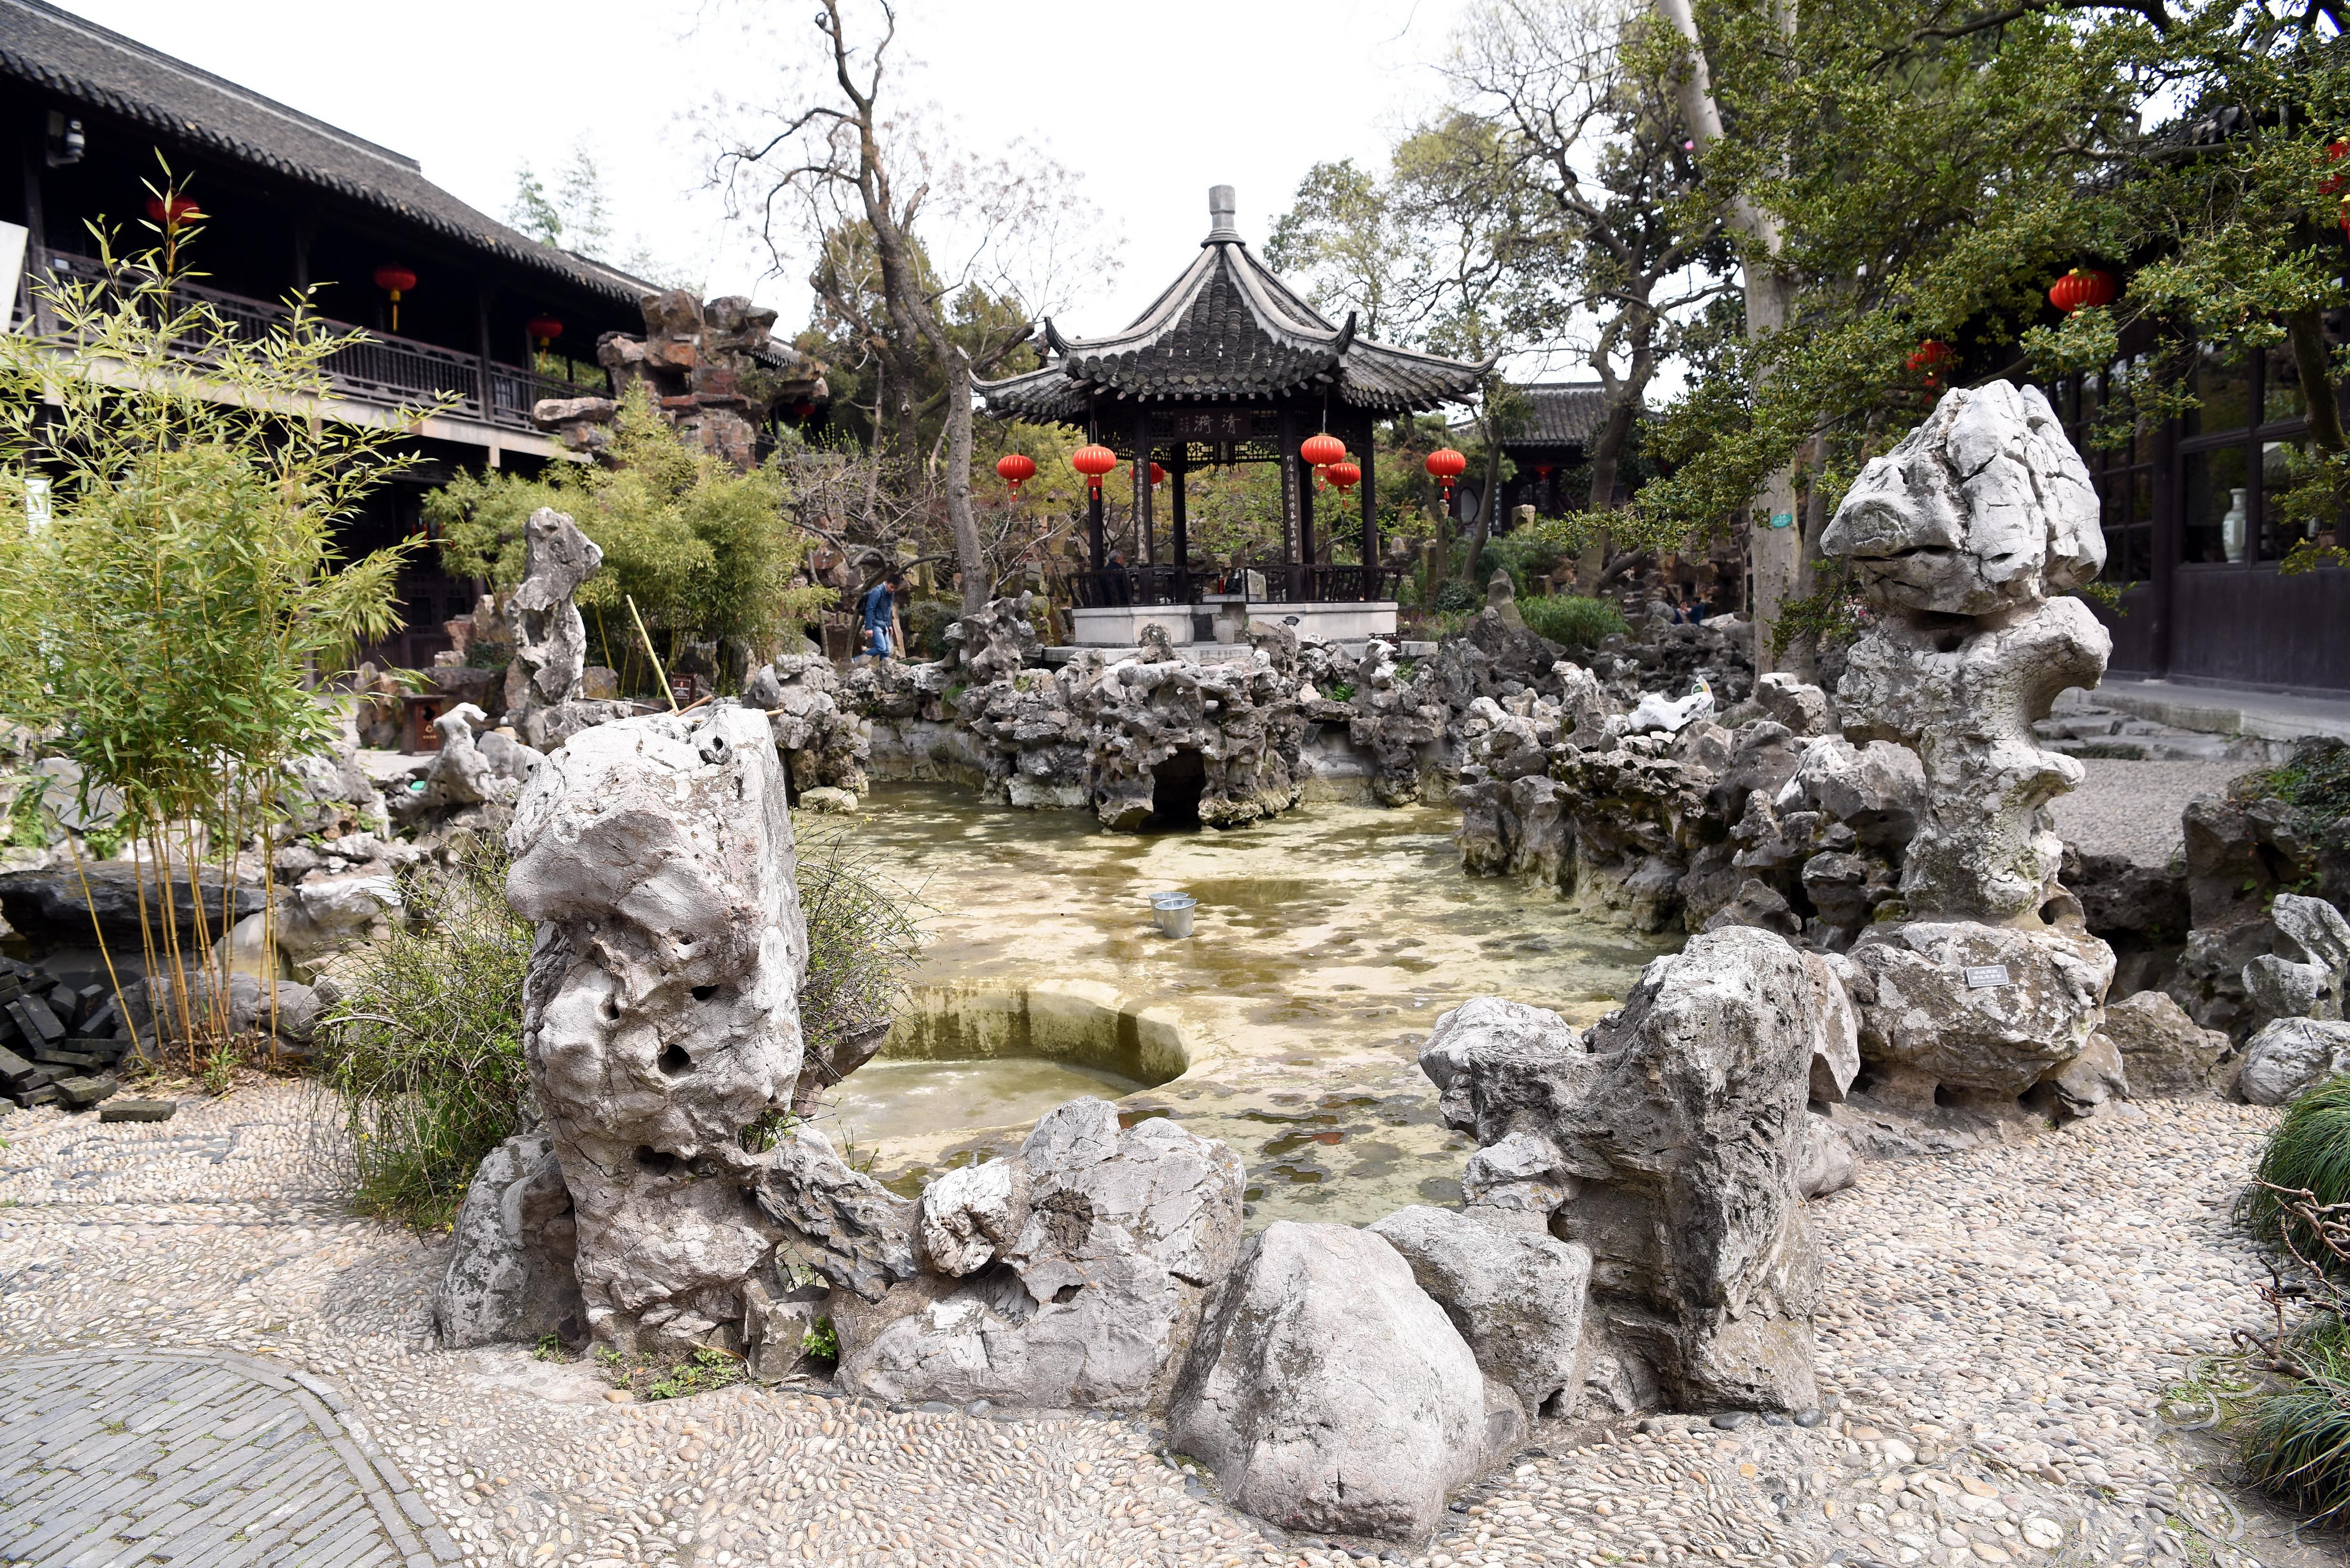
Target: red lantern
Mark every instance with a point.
(1346, 475)
(1928, 355)
(1014, 469)
(2332, 184)
(394, 281)
(801, 411)
(1322, 449)
(174, 210)
(1093, 461)
(1445, 465)
(2084, 287)
(546, 329)
(1158, 476)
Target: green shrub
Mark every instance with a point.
(2296, 1441)
(2308, 1151)
(822, 1340)
(1571, 621)
(926, 626)
(424, 1056)
(1452, 596)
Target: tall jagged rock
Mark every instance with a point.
(660, 1014)
(550, 640)
(1960, 535)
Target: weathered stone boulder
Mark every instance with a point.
(2291, 1057)
(660, 1017)
(1678, 1125)
(2164, 1053)
(1828, 1163)
(1077, 1270)
(550, 639)
(848, 1227)
(1514, 1292)
(1328, 1393)
(511, 1258)
(2304, 977)
(1804, 708)
(1973, 1006)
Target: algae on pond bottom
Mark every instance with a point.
(1326, 943)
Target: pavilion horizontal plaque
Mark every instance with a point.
(1214, 424)
(1986, 974)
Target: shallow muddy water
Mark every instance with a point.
(1327, 942)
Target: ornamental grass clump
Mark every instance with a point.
(1572, 622)
(2295, 1432)
(171, 592)
(2307, 1154)
(423, 1057)
(2296, 1441)
(864, 938)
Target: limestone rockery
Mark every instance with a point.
(1157, 735)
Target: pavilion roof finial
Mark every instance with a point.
(1224, 207)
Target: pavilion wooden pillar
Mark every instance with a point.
(1305, 556)
(1370, 516)
(1177, 521)
(1142, 541)
(1093, 542)
(1290, 520)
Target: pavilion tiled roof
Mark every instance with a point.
(1228, 330)
(83, 62)
(1565, 413)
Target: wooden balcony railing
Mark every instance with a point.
(380, 369)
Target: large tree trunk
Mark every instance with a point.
(1607, 460)
(1776, 552)
(1485, 504)
(969, 555)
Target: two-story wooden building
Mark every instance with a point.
(290, 201)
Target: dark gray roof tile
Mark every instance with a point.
(85, 63)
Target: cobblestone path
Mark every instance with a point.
(198, 1461)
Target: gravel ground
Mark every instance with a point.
(2132, 808)
(1997, 1330)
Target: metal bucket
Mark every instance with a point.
(1173, 911)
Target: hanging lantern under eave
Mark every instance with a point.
(1445, 465)
(545, 329)
(1321, 451)
(1345, 475)
(174, 210)
(2083, 289)
(1093, 461)
(1158, 476)
(1016, 469)
(395, 281)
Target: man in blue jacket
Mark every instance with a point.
(884, 636)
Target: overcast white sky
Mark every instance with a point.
(1149, 103)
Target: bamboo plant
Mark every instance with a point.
(171, 595)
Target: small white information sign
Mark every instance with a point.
(1983, 975)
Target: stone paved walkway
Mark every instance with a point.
(1998, 1334)
(198, 1461)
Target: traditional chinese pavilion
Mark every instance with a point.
(1230, 365)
